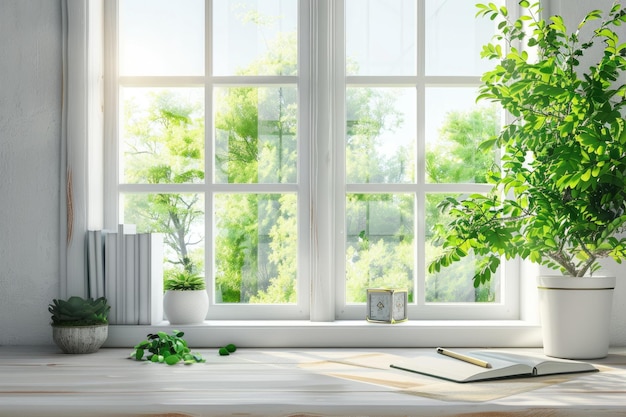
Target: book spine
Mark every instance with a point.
(130, 278)
(144, 278)
(120, 276)
(110, 276)
(99, 237)
(92, 272)
(156, 278)
(136, 273)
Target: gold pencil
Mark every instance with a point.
(463, 358)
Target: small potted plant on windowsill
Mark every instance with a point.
(79, 325)
(186, 300)
(559, 199)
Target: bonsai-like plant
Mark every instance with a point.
(184, 281)
(164, 348)
(77, 311)
(559, 198)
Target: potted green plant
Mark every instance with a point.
(559, 198)
(186, 300)
(79, 325)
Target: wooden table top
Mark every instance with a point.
(41, 381)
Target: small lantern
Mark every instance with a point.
(387, 305)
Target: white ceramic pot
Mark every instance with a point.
(575, 315)
(80, 339)
(185, 307)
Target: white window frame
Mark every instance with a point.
(217, 311)
(508, 307)
(321, 329)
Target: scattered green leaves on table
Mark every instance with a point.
(164, 348)
(227, 350)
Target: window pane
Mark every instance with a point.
(180, 217)
(380, 37)
(455, 127)
(453, 284)
(263, 34)
(255, 135)
(379, 243)
(380, 135)
(162, 135)
(454, 38)
(255, 248)
(161, 37)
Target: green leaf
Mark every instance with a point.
(550, 243)
(586, 175)
(595, 171)
(535, 257)
(558, 24)
(172, 359)
(488, 144)
(575, 180)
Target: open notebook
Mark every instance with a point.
(503, 365)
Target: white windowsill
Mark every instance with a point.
(343, 333)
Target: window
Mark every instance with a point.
(295, 151)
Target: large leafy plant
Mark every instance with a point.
(559, 198)
(78, 311)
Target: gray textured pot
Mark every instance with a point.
(80, 339)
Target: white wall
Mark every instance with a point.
(30, 130)
(30, 126)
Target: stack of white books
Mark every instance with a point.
(126, 267)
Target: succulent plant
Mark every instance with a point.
(77, 311)
(184, 281)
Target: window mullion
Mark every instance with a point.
(420, 149)
(323, 38)
(208, 153)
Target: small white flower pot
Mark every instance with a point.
(185, 307)
(575, 315)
